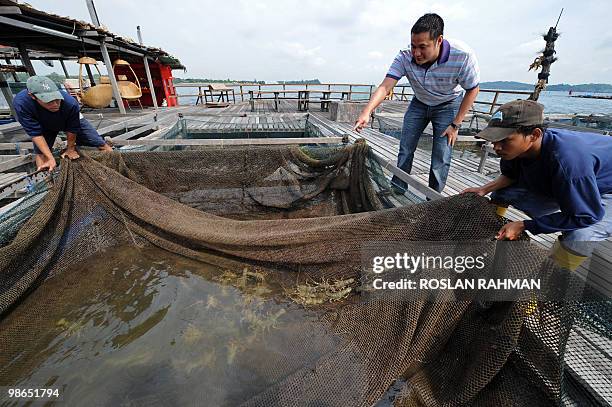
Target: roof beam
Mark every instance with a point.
(10, 10)
(49, 31)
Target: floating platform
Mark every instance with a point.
(470, 167)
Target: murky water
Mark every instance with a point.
(142, 326)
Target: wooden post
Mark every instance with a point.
(350, 92)
(111, 75)
(64, 68)
(148, 71)
(107, 60)
(25, 59)
(493, 104)
(483, 158)
(90, 75)
(371, 87)
(252, 100)
(14, 74)
(150, 80)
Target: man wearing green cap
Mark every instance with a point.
(562, 179)
(43, 111)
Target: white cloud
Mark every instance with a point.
(353, 40)
(532, 46)
(453, 11)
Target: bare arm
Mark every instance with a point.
(44, 160)
(378, 96)
(466, 104)
(70, 151)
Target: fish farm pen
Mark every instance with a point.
(216, 134)
(216, 256)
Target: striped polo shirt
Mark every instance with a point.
(441, 82)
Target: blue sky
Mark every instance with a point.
(355, 41)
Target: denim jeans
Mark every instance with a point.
(535, 205)
(417, 117)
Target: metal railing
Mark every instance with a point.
(341, 91)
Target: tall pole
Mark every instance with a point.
(109, 66)
(64, 68)
(545, 60)
(146, 65)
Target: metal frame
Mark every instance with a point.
(228, 142)
(148, 71)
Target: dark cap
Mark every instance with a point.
(510, 116)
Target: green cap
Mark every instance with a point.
(43, 88)
(510, 116)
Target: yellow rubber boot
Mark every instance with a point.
(501, 211)
(562, 258)
(565, 258)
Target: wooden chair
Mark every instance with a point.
(221, 91)
(128, 90)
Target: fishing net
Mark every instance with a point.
(300, 217)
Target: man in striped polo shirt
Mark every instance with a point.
(438, 71)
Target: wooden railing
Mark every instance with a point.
(342, 91)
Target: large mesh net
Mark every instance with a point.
(297, 218)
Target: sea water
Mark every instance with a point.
(145, 326)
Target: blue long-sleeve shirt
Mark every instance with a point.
(575, 170)
(38, 121)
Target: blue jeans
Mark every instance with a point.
(535, 205)
(87, 136)
(417, 117)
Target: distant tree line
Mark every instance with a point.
(583, 87)
(197, 80)
(302, 82)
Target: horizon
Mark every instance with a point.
(352, 41)
(403, 81)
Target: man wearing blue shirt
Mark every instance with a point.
(438, 71)
(43, 112)
(562, 179)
